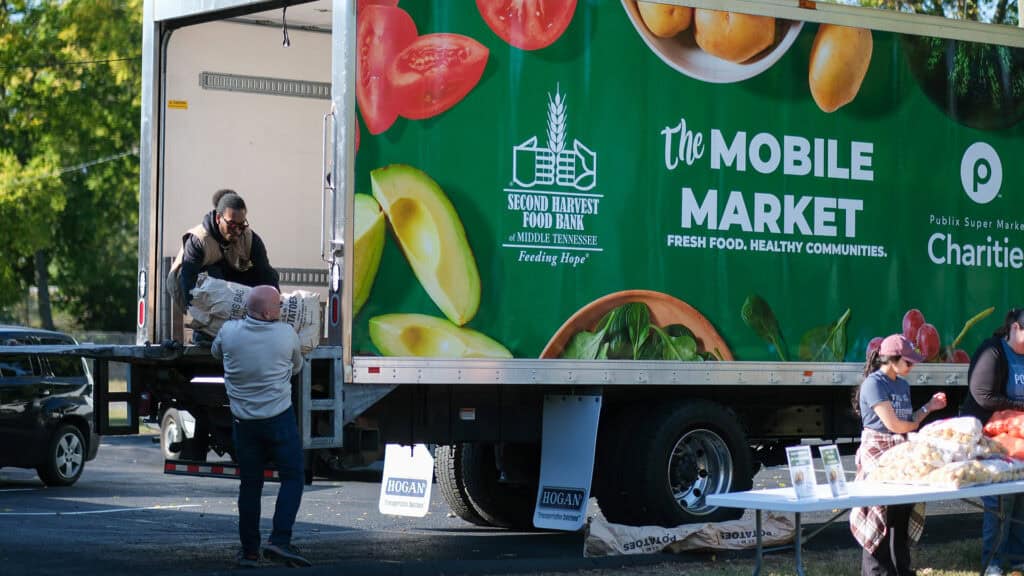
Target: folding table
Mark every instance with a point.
(864, 493)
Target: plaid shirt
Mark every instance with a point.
(868, 524)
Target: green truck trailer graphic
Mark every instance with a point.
(794, 204)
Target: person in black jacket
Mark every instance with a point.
(996, 382)
(224, 247)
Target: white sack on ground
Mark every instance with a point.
(607, 539)
(215, 301)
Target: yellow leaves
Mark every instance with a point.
(31, 201)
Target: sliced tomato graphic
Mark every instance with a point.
(360, 4)
(435, 72)
(527, 24)
(381, 34)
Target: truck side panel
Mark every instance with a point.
(763, 206)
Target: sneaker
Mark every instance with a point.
(285, 553)
(248, 559)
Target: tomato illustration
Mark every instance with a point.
(527, 24)
(435, 72)
(360, 4)
(382, 32)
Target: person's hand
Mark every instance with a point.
(938, 402)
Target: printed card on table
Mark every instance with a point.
(834, 473)
(801, 471)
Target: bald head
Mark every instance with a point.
(264, 303)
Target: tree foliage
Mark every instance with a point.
(990, 11)
(69, 123)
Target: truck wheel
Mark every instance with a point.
(614, 444)
(683, 453)
(65, 457)
(499, 504)
(197, 447)
(448, 471)
(171, 432)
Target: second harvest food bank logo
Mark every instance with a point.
(554, 164)
(551, 196)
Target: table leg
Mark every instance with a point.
(799, 547)
(760, 547)
(1000, 514)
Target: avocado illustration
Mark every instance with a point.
(369, 241)
(432, 337)
(431, 235)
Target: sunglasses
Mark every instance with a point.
(907, 362)
(237, 226)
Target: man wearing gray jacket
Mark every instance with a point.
(260, 355)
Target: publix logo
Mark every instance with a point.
(981, 172)
(557, 163)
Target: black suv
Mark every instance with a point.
(46, 412)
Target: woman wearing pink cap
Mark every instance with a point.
(995, 381)
(883, 401)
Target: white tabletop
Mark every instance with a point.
(865, 493)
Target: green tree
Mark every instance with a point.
(990, 11)
(69, 123)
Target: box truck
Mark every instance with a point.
(584, 248)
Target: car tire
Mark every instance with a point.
(171, 432)
(65, 457)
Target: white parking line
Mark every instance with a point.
(111, 511)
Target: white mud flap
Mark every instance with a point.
(408, 476)
(567, 460)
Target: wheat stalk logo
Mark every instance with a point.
(556, 121)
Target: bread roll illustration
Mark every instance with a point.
(730, 36)
(840, 57)
(665, 20)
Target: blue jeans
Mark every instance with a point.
(257, 442)
(1011, 547)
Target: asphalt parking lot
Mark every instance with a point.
(126, 517)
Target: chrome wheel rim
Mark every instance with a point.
(700, 464)
(69, 456)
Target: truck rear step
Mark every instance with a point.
(212, 469)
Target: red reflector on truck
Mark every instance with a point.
(335, 310)
(373, 370)
(142, 312)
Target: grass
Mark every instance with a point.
(961, 558)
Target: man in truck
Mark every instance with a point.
(260, 355)
(224, 247)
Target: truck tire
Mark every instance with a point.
(614, 442)
(196, 448)
(682, 453)
(171, 433)
(65, 457)
(448, 471)
(498, 503)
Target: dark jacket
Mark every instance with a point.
(986, 381)
(193, 259)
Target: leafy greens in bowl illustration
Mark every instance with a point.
(637, 325)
